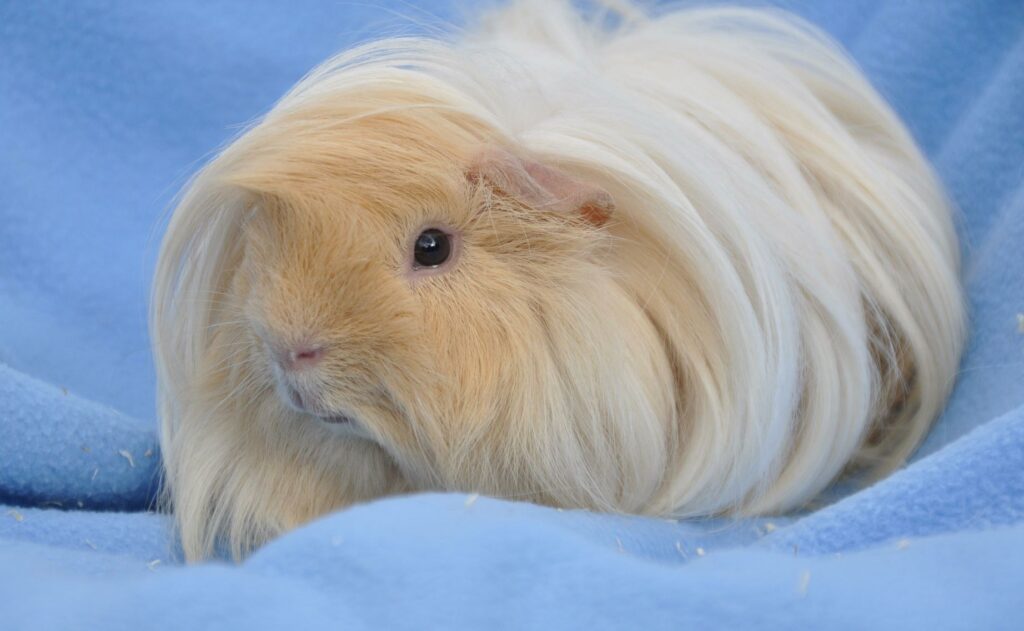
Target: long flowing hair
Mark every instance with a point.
(776, 227)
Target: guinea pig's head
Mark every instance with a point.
(409, 283)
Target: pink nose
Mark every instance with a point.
(301, 357)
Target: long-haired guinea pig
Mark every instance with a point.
(676, 265)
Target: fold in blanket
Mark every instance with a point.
(65, 452)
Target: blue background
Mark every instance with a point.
(107, 107)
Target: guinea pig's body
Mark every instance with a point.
(688, 265)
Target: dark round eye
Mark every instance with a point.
(433, 247)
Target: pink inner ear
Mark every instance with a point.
(541, 186)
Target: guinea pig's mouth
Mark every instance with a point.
(343, 425)
(335, 420)
(311, 407)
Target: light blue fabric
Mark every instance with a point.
(105, 108)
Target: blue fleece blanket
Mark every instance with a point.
(106, 108)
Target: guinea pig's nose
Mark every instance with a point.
(301, 357)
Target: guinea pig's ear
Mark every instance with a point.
(540, 186)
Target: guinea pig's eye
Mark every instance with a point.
(432, 248)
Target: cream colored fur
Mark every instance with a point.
(774, 296)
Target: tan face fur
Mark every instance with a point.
(453, 372)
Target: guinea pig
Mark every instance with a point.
(675, 265)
